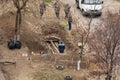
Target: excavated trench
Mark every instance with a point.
(52, 43)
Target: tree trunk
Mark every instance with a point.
(18, 24)
(108, 77)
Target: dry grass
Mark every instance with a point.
(48, 76)
(54, 74)
(118, 0)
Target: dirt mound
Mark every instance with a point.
(58, 30)
(33, 41)
(30, 39)
(6, 26)
(34, 30)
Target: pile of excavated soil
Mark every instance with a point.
(31, 39)
(28, 38)
(58, 30)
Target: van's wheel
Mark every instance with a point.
(77, 5)
(100, 14)
(82, 11)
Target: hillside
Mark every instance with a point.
(41, 35)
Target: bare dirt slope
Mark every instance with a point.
(33, 32)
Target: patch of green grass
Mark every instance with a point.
(45, 0)
(48, 1)
(118, 0)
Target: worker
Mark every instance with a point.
(42, 8)
(66, 10)
(70, 21)
(61, 47)
(57, 8)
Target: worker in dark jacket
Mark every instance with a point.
(70, 21)
(42, 8)
(66, 10)
(57, 8)
(61, 47)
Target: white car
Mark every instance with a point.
(90, 7)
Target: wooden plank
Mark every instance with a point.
(50, 48)
(52, 37)
(7, 61)
(56, 44)
(54, 47)
(48, 41)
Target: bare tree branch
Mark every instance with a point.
(107, 42)
(19, 4)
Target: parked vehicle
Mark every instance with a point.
(90, 7)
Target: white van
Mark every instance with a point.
(90, 7)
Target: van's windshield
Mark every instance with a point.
(92, 1)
